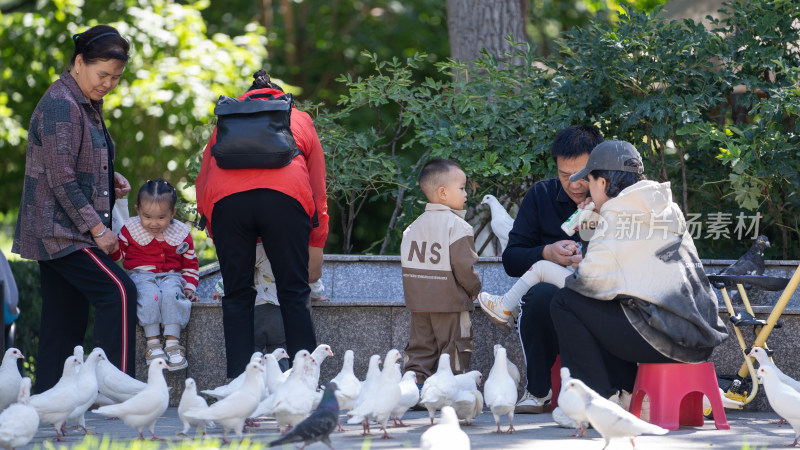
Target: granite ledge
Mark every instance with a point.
(399, 304)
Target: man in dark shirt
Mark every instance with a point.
(537, 235)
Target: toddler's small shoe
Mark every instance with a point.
(176, 355)
(154, 351)
(492, 305)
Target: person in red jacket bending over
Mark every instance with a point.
(287, 209)
(158, 253)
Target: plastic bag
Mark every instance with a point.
(119, 215)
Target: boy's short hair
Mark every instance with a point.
(574, 141)
(434, 174)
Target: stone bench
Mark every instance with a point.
(367, 314)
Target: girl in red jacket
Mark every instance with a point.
(158, 253)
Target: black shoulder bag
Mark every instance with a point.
(254, 133)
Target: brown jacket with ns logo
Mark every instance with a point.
(438, 257)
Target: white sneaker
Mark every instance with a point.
(176, 358)
(529, 404)
(563, 420)
(153, 352)
(492, 305)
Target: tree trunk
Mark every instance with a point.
(474, 25)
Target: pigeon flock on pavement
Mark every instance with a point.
(307, 413)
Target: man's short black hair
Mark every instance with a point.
(434, 174)
(574, 141)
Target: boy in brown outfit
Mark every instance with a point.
(439, 278)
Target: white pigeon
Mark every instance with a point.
(608, 418)
(274, 378)
(191, 401)
(513, 370)
(348, 385)
(10, 377)
(294, 399)
(447, 435)
(500, 391)
(143, 409)
(501, 222)
(231, 411)
(278, 354)
(571, 404)
(783, 398)
(223, 391)
(116, 384)
(379, 407)
(19, 422)
(102, 400)
(467, 380)
(78, 353)
(762, 357)
(273, 374)
(469, 401)
(55, 404)
(312, 370)
(87, 386)
(763, 360)
(409, 396)
(371, 379)
(440, 389)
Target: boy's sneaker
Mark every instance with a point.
(492, 305)
(176, 355)
(154, 351)
(529, 404)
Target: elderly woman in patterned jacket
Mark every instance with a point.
(65, 212)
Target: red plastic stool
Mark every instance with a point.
(676, 394)
(555, 382)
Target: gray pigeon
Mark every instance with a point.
(752, 262)
(319, 425)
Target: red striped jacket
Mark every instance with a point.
(139, 250)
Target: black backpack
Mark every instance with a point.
(254, 133)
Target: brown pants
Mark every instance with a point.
(435, 333)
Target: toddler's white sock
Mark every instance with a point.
(512, 297)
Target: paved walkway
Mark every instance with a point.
(748, 430)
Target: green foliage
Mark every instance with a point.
(159, 113)
(356, 170)
(311, 43)
(759, 145)
(364, 163)
(496, 122)
(666, 86)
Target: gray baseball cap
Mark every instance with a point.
(610, 155)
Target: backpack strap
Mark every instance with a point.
(261, 95)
